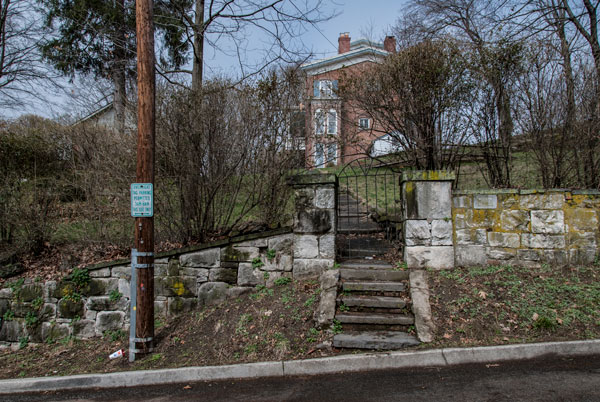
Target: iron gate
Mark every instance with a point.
(368, 198)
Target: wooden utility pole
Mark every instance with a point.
(144, 226)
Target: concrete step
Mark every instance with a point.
(373, 286)
(373, 301)
(378, 340)
(374, 318)
(372, 274)
(366, 264)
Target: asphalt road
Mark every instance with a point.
(557, 379)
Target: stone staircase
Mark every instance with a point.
(373, 306)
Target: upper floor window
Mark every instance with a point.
(364, 123)
(325, 88)
(326, 122)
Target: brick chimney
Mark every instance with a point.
(389, 44)
(344, 43)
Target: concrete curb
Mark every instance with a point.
(337, 364)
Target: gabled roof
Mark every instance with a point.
(94, 114)
(360, 51)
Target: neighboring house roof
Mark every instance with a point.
(95, 114)
(360, 51)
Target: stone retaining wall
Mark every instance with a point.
(525, 227)
(91, 306)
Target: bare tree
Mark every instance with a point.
(20, 67)
(217, 24)
(418, 97)
(493, 54)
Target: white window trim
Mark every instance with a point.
(329, 120)
(360, 126)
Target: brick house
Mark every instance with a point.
(336, 131)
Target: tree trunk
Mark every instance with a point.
(118, 69)
(198, 56)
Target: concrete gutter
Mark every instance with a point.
(336, 364)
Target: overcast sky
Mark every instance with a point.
(355, 17)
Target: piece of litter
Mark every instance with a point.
(491, 365)
(187, 387)
(117, 354)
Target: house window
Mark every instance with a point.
(319, 155)
(364, 123)
(320, 122)
(325, 88)
(326, 122)
(332, 154)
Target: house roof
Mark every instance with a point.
(94, 114)
(361, 50)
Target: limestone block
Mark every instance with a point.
(306, 246)
(161, 270)
(84, 329)
(281, 262)
(237, 291)
(12, 331)
(471, 236)
(90, 315)
(47, 294)
(582, 256)
(227, 275)
(508, 201)
(31, 292)
(124, 288)
(327, 246)
(325, 197)
(550, 222)
(462, 201)
(121, 271)
(528, 255)
(160, 308)
(304, 198)
(55, 331)
(485, 201)
(436, 257)
(70, 309)
(314, 221)
(325, 312)
(201, 274)
(100, 286)
(428, 199)
(542, 241)
(310, 268)
(514, 220)
(580, 219)
(441, 232)
(104, 303)
(109, 321)
(282, 243)
(248, 276)
(582, 240)
(7, 293)
(554, 257)
(239, 254)
(463, 220)
(469, 256)
(201, 259)
(4, 307)
(500, 253)
(542, 201)
(176, 305)
(273, 276)
(508, 240)
(254, 243)
(171, 286)
(212, 293)
(100, 273)
(419, 292)
(417, 232)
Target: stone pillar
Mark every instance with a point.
(427, 219)
(314, 224)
